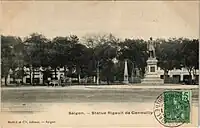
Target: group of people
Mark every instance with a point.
(58, 82)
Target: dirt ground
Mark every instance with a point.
(84, 108)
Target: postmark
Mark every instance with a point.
(172, 108)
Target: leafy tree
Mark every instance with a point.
(93, 40)
(92, 53)
(57, 53)
(168, 54)
(105, 53)
(79, 59)
(96, 45)
(135, 51)
(10, 57)
(190, 55)
(34, 52)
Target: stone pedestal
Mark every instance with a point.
(136, 80)
(151, 75)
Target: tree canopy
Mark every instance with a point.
(82, 57)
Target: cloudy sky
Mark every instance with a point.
(123, 19)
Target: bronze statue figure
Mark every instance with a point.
(151, 48)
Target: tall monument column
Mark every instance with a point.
(125, 73)
(151, 74)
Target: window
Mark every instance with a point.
(152, 69)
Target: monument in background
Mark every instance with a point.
(126, 73)
(151, 74)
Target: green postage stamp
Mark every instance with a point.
(172, 108)
(177, 106)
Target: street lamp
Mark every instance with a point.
(97, 72)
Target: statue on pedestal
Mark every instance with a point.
(151, 72)
(151, 48)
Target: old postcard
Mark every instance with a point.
(99, 64)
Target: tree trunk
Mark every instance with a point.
(79, 78)
(30, 68)
(165, 74)
(65, 74)
(14, 81)
(6, 80)
(55, 73)
(43, 78)
(33, 79)
(108, 82)
(190, 75)
(78, 72)
(194, 74)
(22, 70)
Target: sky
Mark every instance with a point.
(123, 19)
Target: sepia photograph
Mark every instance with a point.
(99, 64)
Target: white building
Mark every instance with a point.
(181, 74)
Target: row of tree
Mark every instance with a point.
(104, 52)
